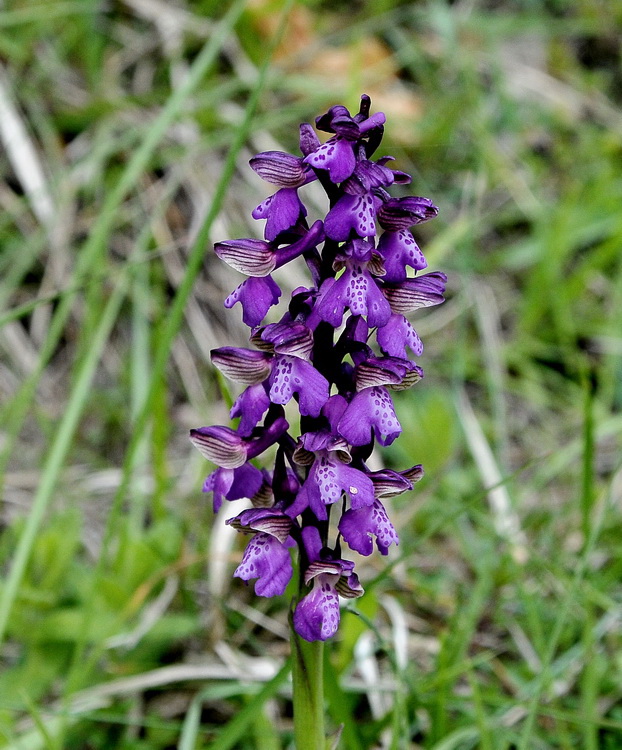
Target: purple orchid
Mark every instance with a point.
(256, 295)
(398, 250)
(267, 559)
(358, 525)
(316, 617)
(355, 212)
(369, 413)
(397, 214)
(258, 258)
(233, 484)
(329, 476)
(284, 209)
(396, 335)
(338, 155)
(250, 406)
(355, 289)
(364, 265)
(267, 556)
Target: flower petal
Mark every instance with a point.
(413, 294)
(366, 176)
(279, 168)
(338, 120)
(394, 372)
(357, 526)
(381, 371)
(399, 250)
(309, 141)
(268, 560)
(389, 483)
(349, 586)
(396, 335)
(316, 617)
(370, 410)
(293, 375)
(414, 474)
(313, 389)
(293, 339)
(221, 445)
(282, 211)
(328, 480)
(324, 567)
(355, 289)
(250, 257)
(218, 483)
(250, 406)
(245, 366)
(312, 542)
(337, 156)
(233, 484)
(351, 213)
(333, 410)
(247, 481)
(257, 296)
(264, 520)
(401, 213)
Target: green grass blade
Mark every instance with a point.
(58, 453)
(48, 11)
(544, 678)
(241, 722)
(192, 724)
(587, 484)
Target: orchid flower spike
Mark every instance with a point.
(336, 355)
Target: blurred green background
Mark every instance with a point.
(126, 129)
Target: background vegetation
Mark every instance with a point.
(126, 128)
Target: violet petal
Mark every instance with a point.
(402, 213)
(309, 141)
(351, 213)
(337, 156)
(316, 617)
(338, 120)
(293, 375)
(357, 526)
(328, 480)
(366, 176)
(266, 559)
(396, 335)
(248, 256)
(245, 366)
(413, 294)
(371, 410)
(257, 296)
(399, 250)
(221, 445)
(355, 289)
(250, 406)
(279, 168)
(265, 520)
(282, 211)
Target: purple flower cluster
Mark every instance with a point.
(339, 370)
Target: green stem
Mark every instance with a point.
(308, 692)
